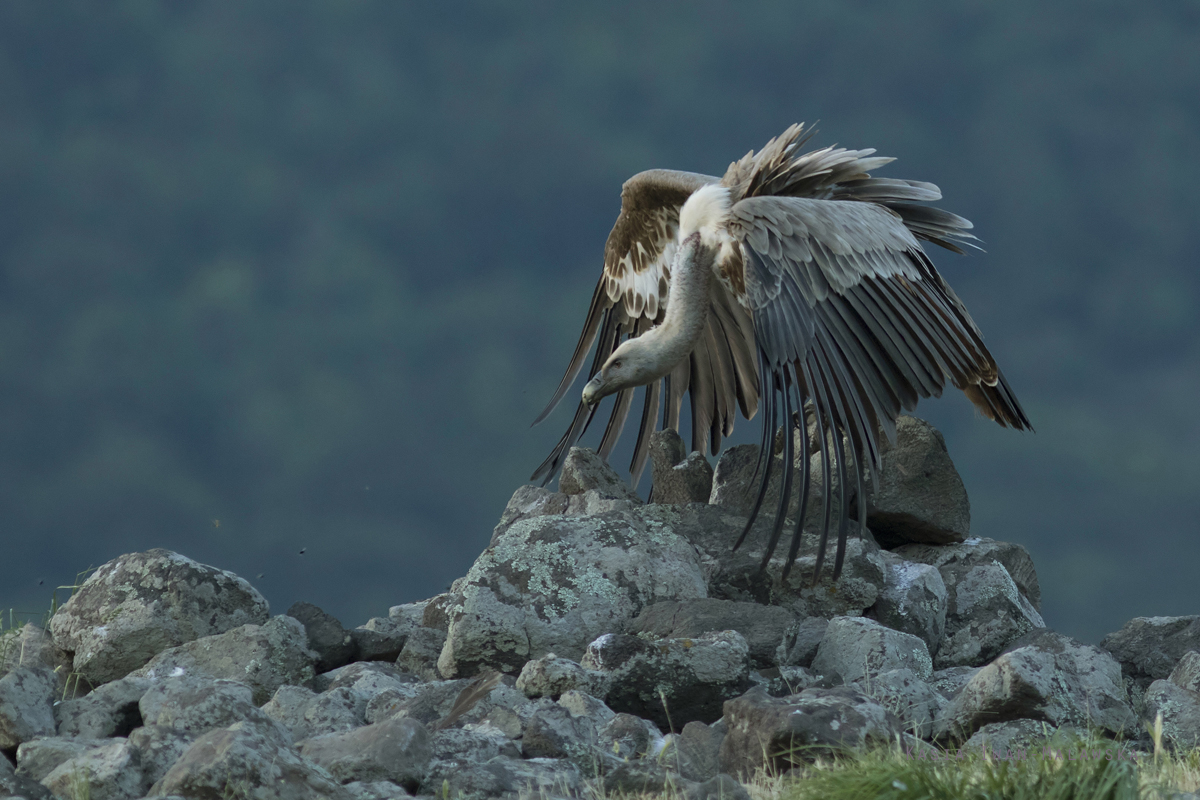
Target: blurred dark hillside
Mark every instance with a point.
(292, 277)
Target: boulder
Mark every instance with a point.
(381, 638)
(196, 705)
(420, 653)
(908, 696)
(856, 647)
(1043, 676)
(1011, 738)
(13, 784)
(138, 605)
(629, 737)
(554, 732)
(583, 470)
(695, 753)
(677, 476)
(333, 644)
(108, 771)
(920, 496)
(264, 657)
(584, 705)
(551, 676)
(39, 757)
(912, 600)
(781, 733)
(981, 550)
(985, 612)
(26, 705)
(243, 761)
(1180, 709)
(158, 748)
(1148, 648)
(801, 641)
(396, 750)
(553, 584)
(111, 710)
(672, 681)
(763, 627)
(29, 646)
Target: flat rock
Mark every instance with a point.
(781, 733)
(553, 584)
(1044, 676)
(763, 627)
(26, 705)
(138, 605)
(39, 757)
(677, 476)
(243, 761)
(856, 647)
(920, 496)
(672, 681)
(396, 750)
(264, 657)
(1148, 648)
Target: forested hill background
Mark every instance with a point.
(282, 284)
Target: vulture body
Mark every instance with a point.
(795, 282)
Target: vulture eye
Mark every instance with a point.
(617, 364)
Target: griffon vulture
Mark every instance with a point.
(796, 279)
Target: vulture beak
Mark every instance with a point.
(591, 392)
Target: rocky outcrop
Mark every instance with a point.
(598, 644)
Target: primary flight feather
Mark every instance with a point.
(795, 280)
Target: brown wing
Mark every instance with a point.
(631, 297)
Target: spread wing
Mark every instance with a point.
(630, 298)
(851, 316)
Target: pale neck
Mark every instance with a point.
(687, 310)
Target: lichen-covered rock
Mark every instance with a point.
(630, 777)
(694, 754)
(158, 748)
(763, 627)
(1180, 709)
(1148, 648)
(421, 651)
(138, 605)
(381, 638)
(985, 612)
(1186, 674)
(906, 695)
(920, 496)
(981, 550)
(856, 647)
(108, 771)
(949, 682)
(504, 777)
(584, 705)
(29, 645)
(242, 761)
(13, 784)
(801, 641)
(630, 737)
(332, 643)
(784, 732)
(396, 750)
(195, 705)
(264, 657)
(37, 758)
(1011, 738)
(1043, 676)
(551, 676)
(554, 732)
(553, 584)
(536, 501)
(672, 681)
(26, 705)
(912, 600)
(677, 477)
(583, 470)
(111, 710)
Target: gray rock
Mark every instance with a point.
(1180, 709)
(784, 681)
(29, 646)
(287, 707)
(980, 550)
(1012, 738)
(409, 613)
(583, 469)
(332, 643)
(421, 651)
(763, 627)
(672, 681)
(913, 600)
(551, 676)
(949, 682)
(433, 701)
(111, 710)
(382, 638)
(780, 733)
(264, 657)
(718, 787)
(243, 761)
(196, 705)
(800, 642)
(39, 757)
(856, 647)
(478, 744)
(553, 584)
(504, 777)
(1148, 648)
(140, 604)
(694, 754)
(554, 732)
(678, 477)
(536, 501)
(985, 613)
(584, 705)
(334, 711)
(108, 771)
(158, 748)
(631, 777)
(1186, 674)
(1044, 676)
(13, 784)
(396, 750)
(376, 790)
(435, 614)
(26, 704)
(367, 679)
(906, 695)
(630, 737)
(920, 496)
